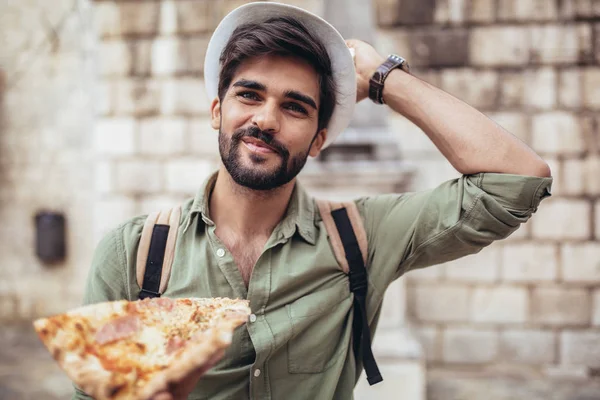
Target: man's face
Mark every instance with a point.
(268, 121)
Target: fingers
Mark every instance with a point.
(162, 396)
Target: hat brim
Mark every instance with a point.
(342, 62)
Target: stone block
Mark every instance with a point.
(580, 347)
(540, 89)
(514, 122)
(596, 308)
(393, 310)
(405, 379)
(586, 8)
(562, 219)
(525, 346)
(114, 58)
(142, 57)
(110, 212)
(557, 175)
(441, 303)
(103, 177)
(527, 10)
(563, 372)
(137, 97)
(463, 345)
(168, 17)
(163, 136)
(430, 339)
(569, 88)
(195, 48)
(185, 176)
(106, 19)
(139, 176)
(581, 262)
(432, 172)
(139, 18)
(597, 222)
(596, 44)
(186, 97)
(560, 306)
(169, 56)
(480, 267)
(499, 46)
(115, 136)
(591, 88)
(560, 44)
(411, 139)
(481, 11)
(440, 48)
(153, 203)
(582, 176)
(512, 89)
(529, 262)
(450, 11)
(557, 132)
(499, 305)
(432, 273)
(204, 140)
(395, 41)
(104, 97)
(196, 16)
(477, 88)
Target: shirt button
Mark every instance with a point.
(252, 318)
(220, 252)
(257, 373)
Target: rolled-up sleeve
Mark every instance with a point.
(457, 218)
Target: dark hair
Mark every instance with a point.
(281, 36)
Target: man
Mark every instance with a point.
(285, 79)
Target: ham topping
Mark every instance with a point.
(175, 343)
(160, 303)
(119, 328)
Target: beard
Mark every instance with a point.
(254, 177)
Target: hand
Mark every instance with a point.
(181, 390)
(366, 61)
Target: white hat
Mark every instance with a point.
(342, 62)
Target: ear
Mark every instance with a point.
(215, 114)
(318, 143)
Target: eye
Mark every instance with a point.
(249, 96)
(295, 107)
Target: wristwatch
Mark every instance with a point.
(378, 79)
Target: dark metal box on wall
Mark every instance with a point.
(50, 237)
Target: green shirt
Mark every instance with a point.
(299, 346)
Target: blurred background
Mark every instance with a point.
(104, 116)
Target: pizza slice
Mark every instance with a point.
(134, 349)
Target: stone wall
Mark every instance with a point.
(46, 64)
(532, 66)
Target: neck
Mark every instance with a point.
(244, 211)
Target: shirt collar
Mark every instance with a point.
(299, 216)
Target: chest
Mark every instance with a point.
(245, 253)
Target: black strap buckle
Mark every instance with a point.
(144, 294)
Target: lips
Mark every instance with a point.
(258, 145)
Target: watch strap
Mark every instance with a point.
(377, 81)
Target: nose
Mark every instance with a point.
(266, 118)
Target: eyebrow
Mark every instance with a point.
(291, 94)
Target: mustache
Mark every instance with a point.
(255, 132)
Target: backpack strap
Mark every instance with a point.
(156, 251)
(349, 242)
(325, 208)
